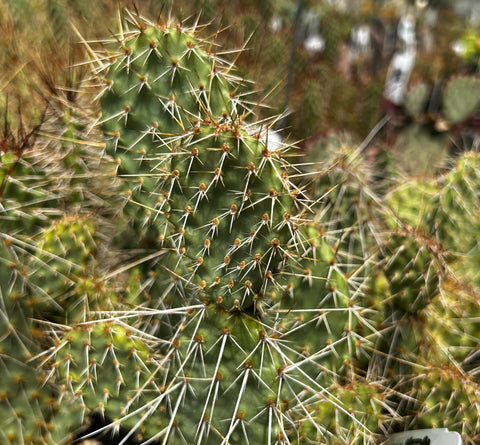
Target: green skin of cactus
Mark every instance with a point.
(461, 99)
(54, 281)
(454, 328)
(220, 201)
(101, 366)
(21, 193)
(24, 403)
(72, 133)
(345, 201)
(222, 371)
(56, 266)
(61, 268)
(261, 307)
(414, 273)
(190, 181)
(420, 324)
(347, 205)
(404, 289)
(365, 400)
(457, 216)
(416, 99)
(445, 211)
(45, 268)
(347, 217)
(408, 279)
(31, 259)
(51, 255)
(448, 399)
(413, 204)
(414, 265)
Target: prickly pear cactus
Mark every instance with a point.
(347, 205)
(24, 401)
(241, 324)
(461, 98)
(49, 274)
(449, 398)
(457, 210)
(416, 100)
(426, 296)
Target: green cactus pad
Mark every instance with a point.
(448, 398)
(414, 269)
(461, 98)
(417, 99)
(250, 304)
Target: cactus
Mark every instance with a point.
(24, 401)
(461, 98)
(444, 118)
(457, 210)
(428, 302)
(25, 201)
(47, 250)
(448, 398)
(199, 287)
(237, 275)
(348, 205)
(416, 100)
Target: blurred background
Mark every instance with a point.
(337, 69)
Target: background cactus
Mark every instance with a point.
(461, 98)
(441, 121)
(426, 317)
(25, 206)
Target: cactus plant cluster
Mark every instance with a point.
(439, 120)
(459, 101)
(431, 294)
(173, 273)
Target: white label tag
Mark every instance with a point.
(399, 71)
(436, 436)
